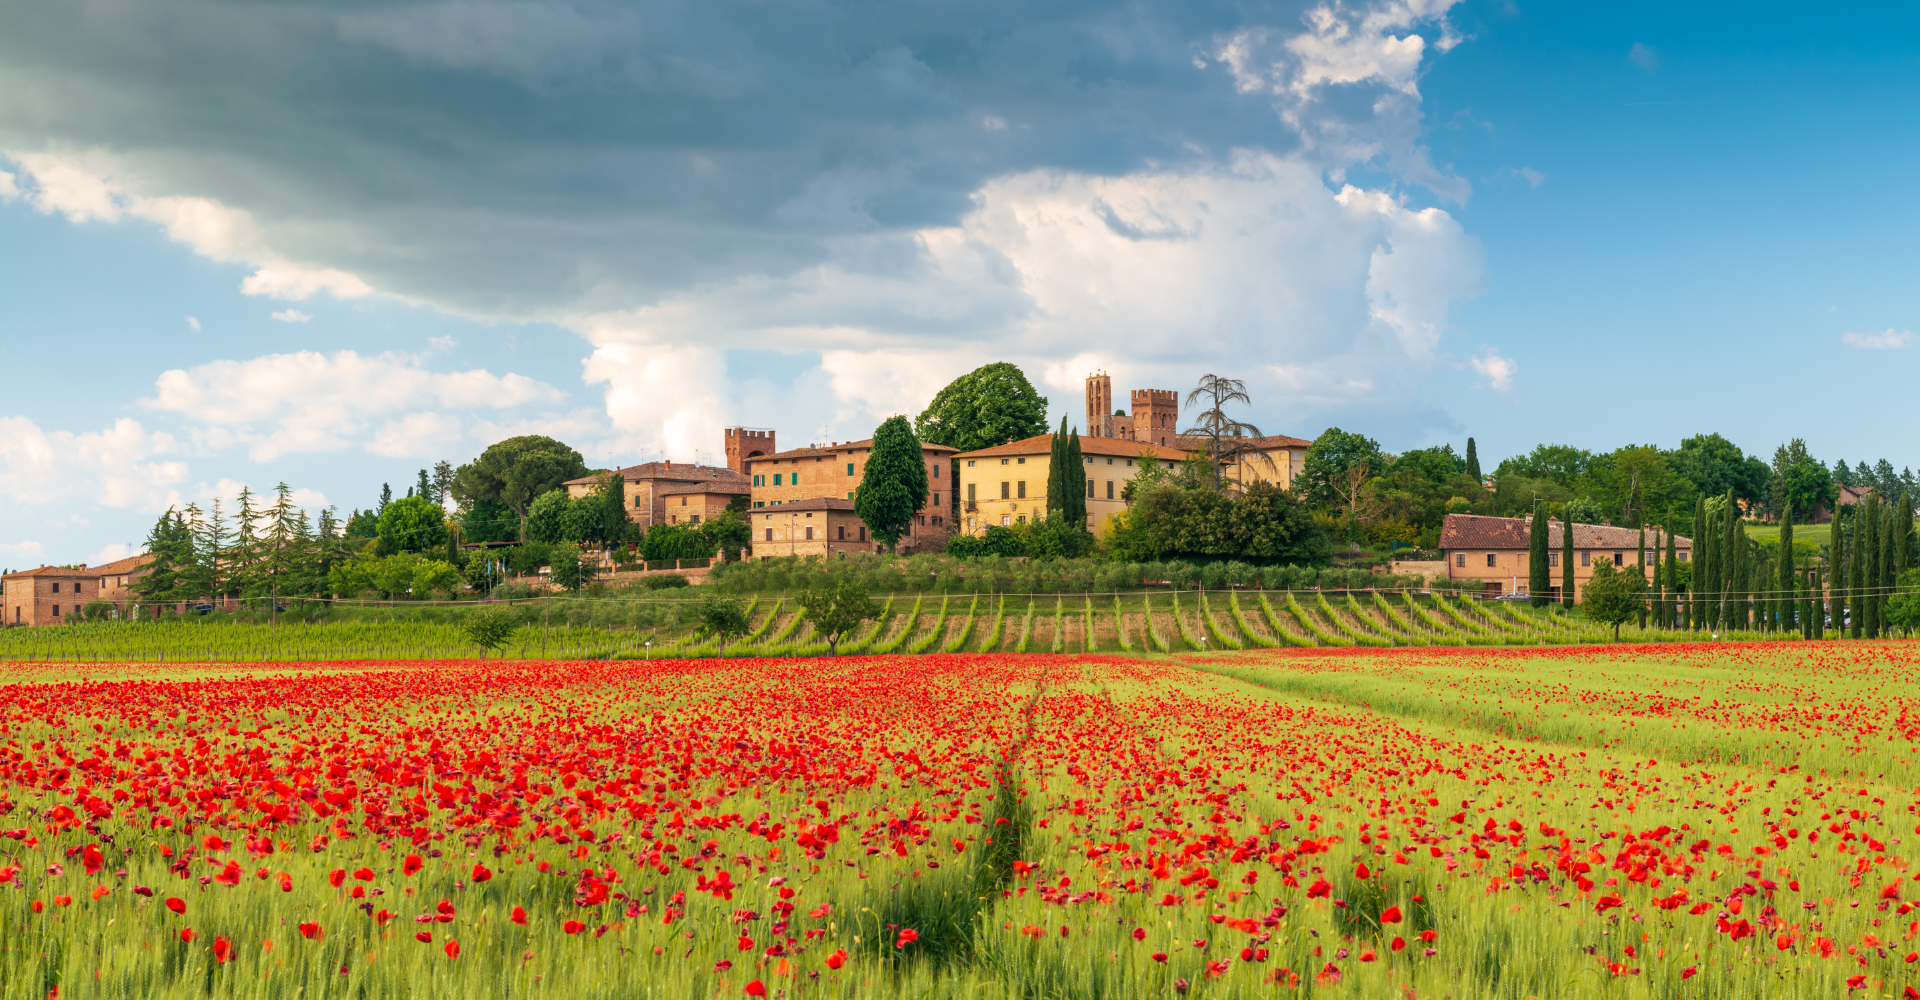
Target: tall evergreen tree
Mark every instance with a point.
(1786, 577)
(1667, 612)
(424, 487)
(1473, 460)
(168, 577)
(386, 497)
(1659, 584)
(1640, 567)
(1059, 477)
(1076, 506)
(1835, 575)
(1539, 574)
(1873, 564)
(1903, 554)
(1857, 572)
(1566, 562)
(893, 486)
(1888, 520)
(1842, 475)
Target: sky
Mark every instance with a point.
(327, 245)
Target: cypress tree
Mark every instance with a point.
(893, 486)
(1702, 546)
(1888, 519)
(1857, 572)
(1836, 543)
(1640, 567)
(1473, 461)
(1872, 567)
(1903, 535)
(1058, 476)
(1786, 566)
(1566, 562)
(1659, 587)
(1539, 575)
(1076, 505)
(1818, 609)
(1673, 576)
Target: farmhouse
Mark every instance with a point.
(1493, 551)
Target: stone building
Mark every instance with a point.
(1007, 485)
(743, 443)
(1275, 458)
(697, 502)
(815, 526)
(650, 484)
(833, 471)
(1493, 551)
(53, 595)
(1154, 417)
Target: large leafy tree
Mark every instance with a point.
(893, 486)
(1612, 598)
(1633, 482)
(516, 472)
(1327, 471)
(991, 405)
(412, 524)
(1806, 485)
(1562, 463)
(837, 610)
(1716, 466)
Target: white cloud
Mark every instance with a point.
(1498, 371)
(21, 553)
(193, 324)
(307, 401)
(1170, 272)
(1311, 77)
(9, 188)
(1643, 56)
(1534, 178)
(93, 187)
(117, 467)
(111, 553)
(1878, 340)
(291, 316)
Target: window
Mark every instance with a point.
(1490, 561)
(936, 520)
(1089, 489)
(769, 534)
(1586, 558)
(843, 532)
(1129, 463)
(969, 463)
(1020, 461)
(769, 517)
(1089, 459)
(849, 494)
(1109, 489)
(56, 583)
(936, 470)
(1619, 559)
(683, 501)
(1460, 560)
(849, 468)
(675, 519)
(695, 519)
(1003, 461)
(1553, 558)
(809, 532)
(936, 499)
(759, 503)
(1004, 486)
(1021, 519)
(971, 487)
(1109, 461)
(56, 611)
(1005, 521)
(1022, 489)
(863, 532)
(1682, 554)
(970, 526)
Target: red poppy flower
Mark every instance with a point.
(311, 931)
(837, 959)
(519, 915)
(222, 949)
(453, 948)
(176, 904)
(481, 874)
(1390, 915)
(410, 865)
(573, 927)
(424, 937)
(756, 989)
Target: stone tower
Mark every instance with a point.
(1100, 405)
(1156, 416)
(747, 442)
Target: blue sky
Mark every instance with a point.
(328, 245)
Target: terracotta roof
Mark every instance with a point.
(1472, 531)
(120, 566)
(671, 472)
(811, 503)
(838, 448)
(47, 571)
(730, 488)
(1042, 444)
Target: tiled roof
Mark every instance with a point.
(1042, 444)
(811, 503)
(671, 472)
(119, 566)
(49, 571)
(729, 488)
(838, 448)
(1472, 531)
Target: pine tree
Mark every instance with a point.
(1566, 562)
(1539, 578)
(1473, 460)
(424, 488)
(167, 576)
(386, 497)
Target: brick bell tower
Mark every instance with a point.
(1156, 416)
(1100, 405)
(747, 442)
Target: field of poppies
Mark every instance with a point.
(1680, 820)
